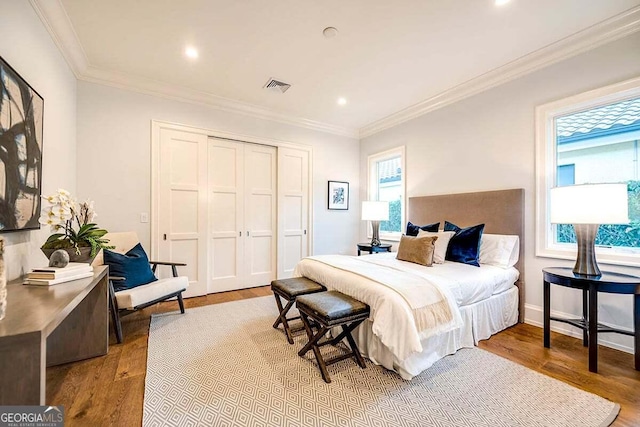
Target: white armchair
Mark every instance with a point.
(127, 301)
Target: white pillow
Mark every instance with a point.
(499, 250)
(441, 243)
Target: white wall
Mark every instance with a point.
(28, 48)
(114, 159)
(486, 142)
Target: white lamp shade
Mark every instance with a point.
(375, 211)
(589, 204)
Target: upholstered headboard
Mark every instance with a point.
(501, 211)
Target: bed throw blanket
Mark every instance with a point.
(405, 306)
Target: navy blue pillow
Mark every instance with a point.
(133, 266)
(413, 230)
(464, 246)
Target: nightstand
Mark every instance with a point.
(384, 247)
(614, 283)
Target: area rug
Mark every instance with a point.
(224, 365)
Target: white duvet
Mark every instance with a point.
(378, 281)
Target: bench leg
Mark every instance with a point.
(282, 317)
(354, 348)
(313, 345)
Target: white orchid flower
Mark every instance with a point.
(65, 215)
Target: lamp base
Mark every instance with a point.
(375, 239)
(586, 264)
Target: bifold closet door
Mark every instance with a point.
(242, 214)
(293, 208)
(181, 213)
(260, 193)
(226, 214)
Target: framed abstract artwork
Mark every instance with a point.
(338, 195)
(21, 129)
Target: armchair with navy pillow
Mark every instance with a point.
(132, 281)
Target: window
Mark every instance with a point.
(566, 175)
(386, 183)
(590, 138)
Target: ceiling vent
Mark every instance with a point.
(277, 86)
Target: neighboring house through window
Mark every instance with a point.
(591, 138)
(386, 183)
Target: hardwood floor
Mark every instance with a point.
(109, 390)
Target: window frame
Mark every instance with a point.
(372, 187)
(546, 168)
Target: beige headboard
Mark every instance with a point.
(501, 211)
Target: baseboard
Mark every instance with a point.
(533, 315)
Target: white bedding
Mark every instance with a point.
(468, 284)
(392, 318)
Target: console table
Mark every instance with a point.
(47, 326)
(615, 283)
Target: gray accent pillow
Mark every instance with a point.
(418, 250)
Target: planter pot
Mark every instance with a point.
(85, 254)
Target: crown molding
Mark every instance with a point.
(183, 94)
(57, 22)
(597, 35)
(55, 19)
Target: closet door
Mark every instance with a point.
(259, 214)
(293, 209)
(242, 214)
(226, 215)
(181, 211)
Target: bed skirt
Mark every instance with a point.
(480, 321)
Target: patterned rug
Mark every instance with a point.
(224, 365)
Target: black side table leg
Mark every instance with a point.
(636, 328)
(585, 317)
(593, 328)
(547, 314)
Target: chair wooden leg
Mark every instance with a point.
(115, 316)
(181, 303)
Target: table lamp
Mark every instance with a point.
(587, 206)
(375, 212)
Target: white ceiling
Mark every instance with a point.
(388, 55)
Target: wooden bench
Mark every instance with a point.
(289, 290)
(324, 311)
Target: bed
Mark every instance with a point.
(481, 300)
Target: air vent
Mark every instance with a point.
(277, 86)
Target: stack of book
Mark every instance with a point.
(47, 276)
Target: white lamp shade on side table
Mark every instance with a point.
(587, 206)
(375, 212)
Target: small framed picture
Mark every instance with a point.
(338, 195)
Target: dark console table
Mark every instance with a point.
(615, 283)
(50, 325)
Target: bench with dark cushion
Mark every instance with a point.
(327, 310)
(290, 289)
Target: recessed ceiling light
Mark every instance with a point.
(502, 2)
(330, 32)
(191, 52)
(342, 101)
